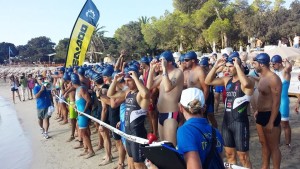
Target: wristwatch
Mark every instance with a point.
(164, 74)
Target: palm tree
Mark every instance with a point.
(144, 20)
(97, 44)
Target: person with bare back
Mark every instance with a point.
(268, 117)
(170, 84)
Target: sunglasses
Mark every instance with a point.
(187, 60)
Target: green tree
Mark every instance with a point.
(61, 50)
(37, 49)
(97, 46)
(4, 51)
(131, 39)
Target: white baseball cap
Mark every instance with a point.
(191, 94)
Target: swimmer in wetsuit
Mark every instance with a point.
(137, 103)
(268, 116)
(235, 127)
(284, 73)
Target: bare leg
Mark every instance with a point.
(122, 154)
(265, 148)
(46, 124)
(87, 142)
(287, 131)
(273, 144)
(170, 129)
(160, 131)
(230, 155)
(139, 166)
(107, 147)
(153, 120)
(244, 159)
(130, 162)
(13, 96)
(19, 95)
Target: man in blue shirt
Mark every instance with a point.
(194, 134)
(43, 101)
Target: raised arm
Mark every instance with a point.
(170, 84)
(245, 81)
(144, 92)
(211, 76)
(112, 93)
(153, 82)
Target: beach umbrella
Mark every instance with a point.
(285, 52)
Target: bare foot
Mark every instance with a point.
(105, 162)
(71, 139)
(83, 153)
(90, 154)
(78, 146)
(120, 166)
(63, 123)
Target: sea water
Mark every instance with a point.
(15, 148)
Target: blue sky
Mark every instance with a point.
(25, 19)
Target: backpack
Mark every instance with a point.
(213, 159)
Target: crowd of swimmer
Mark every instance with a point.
(179, 99)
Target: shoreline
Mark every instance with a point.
(57, 153)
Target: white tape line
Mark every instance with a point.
(126, 136)
(227, 165)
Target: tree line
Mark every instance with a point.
(193, 25)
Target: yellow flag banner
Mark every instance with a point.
(82, 34)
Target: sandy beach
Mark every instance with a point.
(57, 153)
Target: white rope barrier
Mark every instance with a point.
(135, 138)
(126, 136)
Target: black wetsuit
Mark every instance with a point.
(235, 127)
(134, 125)
(114, 118)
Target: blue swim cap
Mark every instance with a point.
(232, 57)
(76, 67)
(181, 58)
(90, 73)
(132, 68)
(66, 76)
(262, 58)
(108, 71)
(70, 70)
(145, 60)
(75, 79)
(225, 55)
(97, 78)
(190, 55)
(234, 54)
(276, 59)
(204, 62)
(81, 71)
(62, 69)
(167, 55)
